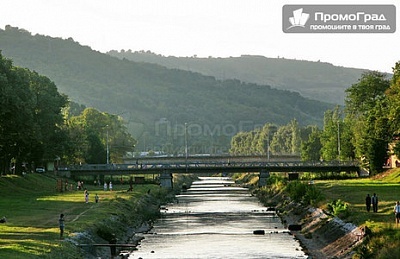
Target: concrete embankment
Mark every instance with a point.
(321, 235)
(135, 216)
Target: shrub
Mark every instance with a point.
(338, 208)
(296, 190)
(312, 196)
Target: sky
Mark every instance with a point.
(217, 28)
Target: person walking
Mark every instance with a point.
(368, 202)
(374, 201)
(61, 224)
(396, 211)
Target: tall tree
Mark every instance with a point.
(287, 139)
(393, 94)
(30, 118)
(366, 104)
(330, 136)
(48, 114)
(311, 149)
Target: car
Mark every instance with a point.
(40, 169)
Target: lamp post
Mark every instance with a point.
(338, 139)
(186, 147)
(108, 149)
(268, 147)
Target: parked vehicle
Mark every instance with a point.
(40, 169)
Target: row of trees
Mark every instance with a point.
(362, 130)
(269, 139)
(37, 124)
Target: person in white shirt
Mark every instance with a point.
(396, 211)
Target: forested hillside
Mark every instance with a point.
(155, 100)
(315, 80)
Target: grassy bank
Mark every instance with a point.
(384, 237)
(32, 206)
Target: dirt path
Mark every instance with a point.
(82, 213)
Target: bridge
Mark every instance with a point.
(165, 167)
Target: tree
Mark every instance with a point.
(311, 149)
(48, 113)
(330, 136)
(30, 118)
(93, 132)
(287, 139)
(366, 108)
(393, 94)
(17, 122)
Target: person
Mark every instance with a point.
(96, 198)
(130, 184)
(110, 186)
(396, 211)
(113, 248)
(86, 196)
(368, 202)
(374, 201)
(105, 186)
(61, 224)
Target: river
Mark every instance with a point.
(216, 220)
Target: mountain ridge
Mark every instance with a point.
(145, 94)
(312, 79)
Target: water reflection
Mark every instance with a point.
(216, 220)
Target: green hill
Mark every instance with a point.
(155, 100)
(315, 80)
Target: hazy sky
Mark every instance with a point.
(218, 28)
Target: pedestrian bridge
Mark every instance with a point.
(212, 167)
(180, 165)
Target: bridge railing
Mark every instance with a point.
(191, 164)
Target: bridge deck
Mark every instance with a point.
(210, 167)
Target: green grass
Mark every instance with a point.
(32, 206)
(354, 192)
(385, 235)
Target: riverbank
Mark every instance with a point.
(135, 217)
(320, 235)
(32, 206)
(358, 233)
(132, 217)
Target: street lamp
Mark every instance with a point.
(338, 138)
(268, 147)
(108, 149)
(186, 147)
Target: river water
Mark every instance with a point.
(216, 220)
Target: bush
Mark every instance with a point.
(302, 192)
(296, 190)
(312, 196)
(338, 208)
